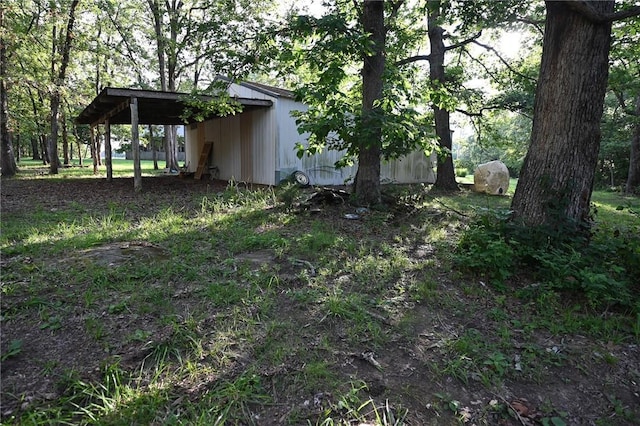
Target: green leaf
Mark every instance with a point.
(15, 347)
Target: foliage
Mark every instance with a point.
(324, 54)
(603, 270)
(504, 137)
(619, 118)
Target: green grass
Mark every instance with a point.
(121, 168)
(188, 329)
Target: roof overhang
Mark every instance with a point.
(154, 107)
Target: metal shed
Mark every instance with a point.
(256, 145)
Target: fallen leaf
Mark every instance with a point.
(520, 408)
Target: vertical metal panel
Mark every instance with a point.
(413, 168)
(263, 141)
(225, 134)
(246, 148)
(191, 145)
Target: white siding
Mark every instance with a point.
(191, 148)
(236, 90)
(264, 140)
(413, 168)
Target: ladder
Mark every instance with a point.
(203, 161)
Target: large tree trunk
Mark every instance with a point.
(367, 182)
(633, 178)
(445, 175)
(7, 160)
(557, 176)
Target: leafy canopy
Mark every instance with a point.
(324, 55)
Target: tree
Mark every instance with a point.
(7, 159)
(367, 182)
(361, 100)
(621, 123)
(58, 77)
(323, 53)
(558, 171)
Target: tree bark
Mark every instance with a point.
(7, 159)
(445, 174)
(367, 182)
(633, 178)
(107, 150)
(45, 150)
(154, 148)
(65, 141)
(135, 146)
(35, 151)
(93, 150)
(557, 176)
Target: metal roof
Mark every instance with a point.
(154, 107)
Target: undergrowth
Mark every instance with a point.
(601, 268)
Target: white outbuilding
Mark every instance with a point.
(258, 145)
(254, 145)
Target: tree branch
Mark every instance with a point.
(585, 9)
(471, 39)
(537, 24)
(413, 59)
(429, 56)
(504, 61)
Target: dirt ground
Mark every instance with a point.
(593, 382)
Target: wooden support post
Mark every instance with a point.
(107, 150)
(135, 146)
(93, 150)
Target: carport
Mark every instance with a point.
(136, 107)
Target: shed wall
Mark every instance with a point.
(259, 146)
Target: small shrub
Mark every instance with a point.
(461, 172)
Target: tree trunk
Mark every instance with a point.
(54, 163)
(557, 176)
(65, 141)
(7, 160)
(45, 151)
(35, 150)
(445, 174)
(93, 150)
(154, 148)
(633, 178)
(80, 163)
(58, 81)
(98, 147)
(367, 182)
